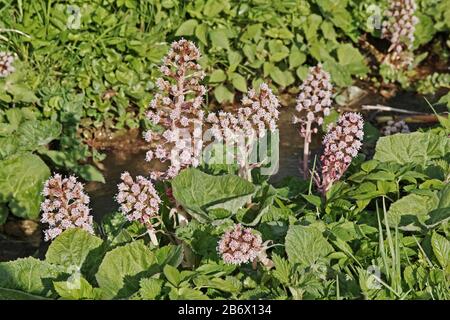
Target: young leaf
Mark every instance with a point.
(314, 200)
(201, 32)
(306, 245)
(283, 78)
(213, 7)
(187, 28)
(234, 59)
(11, 294)
(410, 211)
(217, 76)
(90, 173)
(230, 284)
(296, 58)
(222, 94)
(352, 59)
(282, 269)
(169, 254)
(150, 288)
(441, 249)
(219, 38)
(187, 294)
(77, 289)
(172, 275)
(239, 82)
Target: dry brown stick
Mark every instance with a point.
(380, 107)
(422, 118)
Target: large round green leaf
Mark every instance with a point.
(71, 248)
(199, 192)
(21, 181)
(122, 268)
(28, 275)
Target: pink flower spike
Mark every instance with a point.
(399, 29)
(177, 109)
(138, 199)
(239, 245)
(341, 144)
(257, 116)
(6, 63)
(314, 100)
(65, 206)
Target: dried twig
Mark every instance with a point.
(420, 118)
(380, 107)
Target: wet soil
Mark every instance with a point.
(20, 238)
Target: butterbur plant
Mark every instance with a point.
(399, 28)
(65, 206)
(257, 116)
(6, 63)
(313, 104)
(341, 144)
(139, 201)
(176, 108)
(239, 245)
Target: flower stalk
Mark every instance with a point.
(313, 105)
(307, 141)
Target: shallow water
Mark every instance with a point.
(116, 162)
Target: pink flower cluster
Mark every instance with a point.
(393, 127)
(65, 206)
(341, 145)
(138, 199)
(399, 29)
(6, 63)
(239, 245)
(177, 109)
(314, 100)
(257, 116)
(261, 109)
